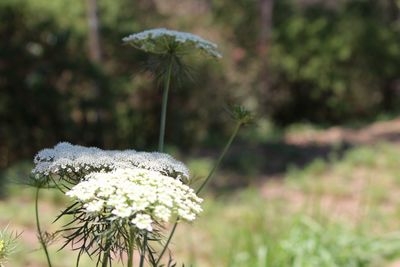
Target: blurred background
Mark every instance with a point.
(314, 182)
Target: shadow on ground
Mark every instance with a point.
(272, 160)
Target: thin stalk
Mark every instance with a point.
(143, 252)
(39, 230)
(161, 144)
(210, 175)
(164, 107)
(106, 255)
(131, 250)
(104, 261)
(221, 156)
(168, 241)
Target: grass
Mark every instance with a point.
(370, 168)
(341, 212)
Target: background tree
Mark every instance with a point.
(326, 63)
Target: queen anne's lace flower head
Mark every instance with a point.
(74, 161)
(160, 41)
(138, 196)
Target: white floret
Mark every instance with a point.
(139, 195)
(162, 212)
(94, 206)
(143, 221)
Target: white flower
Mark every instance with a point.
(122, 210)
(94, 206)
(161, 41)
(142, 196)
(143, 221)
(163, 213)
(83, 192)
(73, 162)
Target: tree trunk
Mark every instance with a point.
(90, 123)
(266, 8)
(266, 14)
(95, 52)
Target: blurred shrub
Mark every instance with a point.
(326, 65)
(334, 64)
(51, 91)
(327, 62)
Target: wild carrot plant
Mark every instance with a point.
(122, 200)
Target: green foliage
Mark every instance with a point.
(8, 244)
(241, 20)
(334, 64)
(246, 230)
(311, 244)
(326, 64)
(367, 173)
(52, 91)
(306, 243)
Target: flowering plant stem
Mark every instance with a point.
(39, 230)
(131, 245)
(167, 243)
(106, 255)
(209, 176)
(221, 156)
(104, 262)
(167, 84)
(143, 252)
(164, 106)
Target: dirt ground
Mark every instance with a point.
(351, 206)
(374, 133)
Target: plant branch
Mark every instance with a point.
(168, 241)
(221, 157)
(161, 139)
(130, 249)
(164, 106)
(106, 255)
(104, 262)
(143, 252)
(39, 230)
(210, 175)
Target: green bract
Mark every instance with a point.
(8, 244)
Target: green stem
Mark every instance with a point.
(221, 156)
(210, 175)
(39, 230)
(168, 241)
(161, 139)
(131, 244)
(104, 261)
(106, 255)
(143, 252)
(164, 107)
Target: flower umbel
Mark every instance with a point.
(109, 205)
(241, 114)
(73, 162)
(164, 41)
(132, 193)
